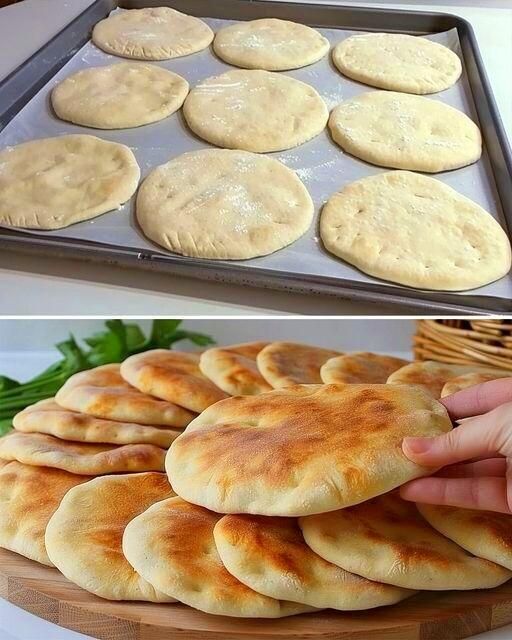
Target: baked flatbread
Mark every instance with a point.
(48, 417)
(485, 534)
(386, 539)
(360, 367)
(55, 182)
(28, 498)
(271, 44)
(172, 546)
(270, 556)
(172, 375)
(81, 458)
(153, 33)
(431, 375)
(118, 96)
(470, 380)
(398, 61)
(234, 369)
(403, 131)
(84, 536)
(284, 364)
(408, 228)
(103, 393)
(302, 450)
(255, 110)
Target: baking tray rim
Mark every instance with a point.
(237, 273)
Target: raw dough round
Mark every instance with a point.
(405, 132)
(126, 94)
(54, 182)
(398, 61)
(221, 204)
(271, 44)
(157, 33)
(255, 110)
(415, 230)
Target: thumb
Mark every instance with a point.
(484, 436)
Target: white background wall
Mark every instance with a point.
(346, 334)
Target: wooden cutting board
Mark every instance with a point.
(427, 616)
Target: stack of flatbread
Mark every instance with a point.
(280, 491)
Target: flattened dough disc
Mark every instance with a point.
(54, 182)
(117, 96)
(271, 44)
(156, 33)
(415, 230)
(255, 111)
(398, 61)
(224, 205)
(403, 131)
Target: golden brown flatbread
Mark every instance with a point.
(172, 375)
(284, 364)
(84, 536)
(102, 392)
(233, 369)
(485, 534)
(82, 458)
(302, 450)
(386, 539)
(431, 375)
(48, 417)
(360, 367)
(29, 496)
(470, 380)
(270, 556)
(172, 546)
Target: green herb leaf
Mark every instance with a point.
(8, 383)
(74, 357)
(114, 344)
(107, 346)
(135, 337)
(199, 339)
(162, 332)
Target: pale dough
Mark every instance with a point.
(405, 132)
(117, 96)
(157, 33)
(255, 110)
(398, 61)
(54, 182)
(223, 204)
(271, 44)
(415, 230)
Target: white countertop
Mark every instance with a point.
(33, 285)
(17, 624)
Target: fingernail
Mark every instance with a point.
(417, 445)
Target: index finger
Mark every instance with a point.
(477, 400)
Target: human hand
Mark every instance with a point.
(476, 456)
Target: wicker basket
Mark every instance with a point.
(482, 342)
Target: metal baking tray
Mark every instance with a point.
(304, 266)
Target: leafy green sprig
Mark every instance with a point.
(116, 343)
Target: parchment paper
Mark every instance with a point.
(319, 163)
